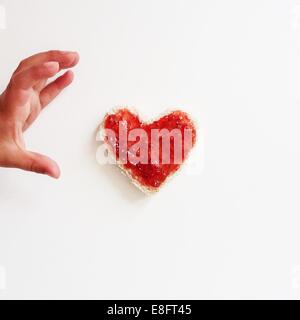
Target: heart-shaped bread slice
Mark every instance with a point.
(149, 153)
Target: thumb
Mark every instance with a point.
(35, 162)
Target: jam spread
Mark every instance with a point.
(151, 174)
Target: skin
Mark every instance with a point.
(27, 94)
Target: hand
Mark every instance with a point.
(20, 104)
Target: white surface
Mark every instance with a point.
(231, 232)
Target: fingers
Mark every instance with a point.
(66, 59)
(30, 77)
(37, 69)
(53, 89)
(37, 163)
(16, 157)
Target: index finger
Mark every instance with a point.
(66, 59)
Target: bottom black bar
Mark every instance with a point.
(152, 309)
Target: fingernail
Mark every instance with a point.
(68, 52)
(51, 65)
(55, 173)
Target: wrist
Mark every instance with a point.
(2, 143)
(4, 147)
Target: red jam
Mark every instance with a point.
(152, 174)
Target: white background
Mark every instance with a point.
(230, 232)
